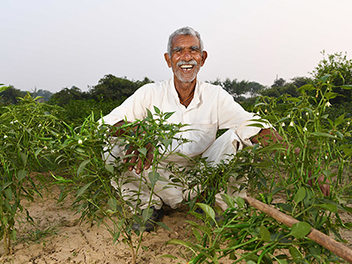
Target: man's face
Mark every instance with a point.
(186, 57)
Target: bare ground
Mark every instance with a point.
(57, 237)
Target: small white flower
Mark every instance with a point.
(326, 157)
(258, 113)
(334, 140)
(284, 157)
(317, 114)
(80, 141)
(348, 123)
(289, 115)
(45, 147)
(306, 113)
(305, 129)
(328, 104)
(292, 124)
(39, 125)
(52, 151)
(5, 136)
(11, 122)
(283, 124)
(266, 110)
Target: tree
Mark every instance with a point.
(114, 88)
(238, 89)
(66, 95)
(10, 95)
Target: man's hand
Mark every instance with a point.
(324, 184)
(136, 159)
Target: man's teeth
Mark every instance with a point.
(186, 66)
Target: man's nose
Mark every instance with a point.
(187, 55)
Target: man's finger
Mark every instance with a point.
(128, 152)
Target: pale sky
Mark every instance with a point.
(52, 44)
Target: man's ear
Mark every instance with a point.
(167, 59)
(204, 57)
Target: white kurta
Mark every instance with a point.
(211, 108)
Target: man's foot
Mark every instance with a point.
(150, 223)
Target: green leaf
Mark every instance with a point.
(330, 95)
(82, 166)
(83, 189)
(8, 193)
(330, 207)
(325, 78)
(116, 237)
(179, 242)
(143, 151)
(109, 168)
(299, 230)
(149, 114)
(296, 255)
(347, 87)
(240, 201)
(163, 226)
(168, 256)
(294, 99)
(264, 234)
(166, 142)
(168, 114)
(157, 110)
(339, 120)
(208, 210)
(112, 203)
(153, 177)
(321, 134)
(147, 213)
(7, 184)
(21, 175)
(301, 193)
(228, 200)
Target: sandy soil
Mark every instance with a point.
(58, 238)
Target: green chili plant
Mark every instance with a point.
(28, 132)
(85, 151)
(290, 175)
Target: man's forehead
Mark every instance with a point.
(185, 41)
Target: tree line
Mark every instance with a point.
(111, 91)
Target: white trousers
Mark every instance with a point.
(133, 188)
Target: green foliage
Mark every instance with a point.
(318, 151)
(10, 95)
(340, 70)
(28, 132)
(92, 177)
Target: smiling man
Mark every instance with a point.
(203, 106)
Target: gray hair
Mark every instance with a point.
(188, 31)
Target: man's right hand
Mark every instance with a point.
(137, 161)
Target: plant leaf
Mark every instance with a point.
(299, 230)
(208, 210)
(82, 166)
(83, 189)
(301, 193)
(264, 234)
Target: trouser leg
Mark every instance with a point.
(224, 146)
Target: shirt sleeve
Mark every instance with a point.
(134, 107)
(233, 116)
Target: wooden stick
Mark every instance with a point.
(337, 248)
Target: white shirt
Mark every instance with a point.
(211, 108)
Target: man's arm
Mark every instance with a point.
(265, 136)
